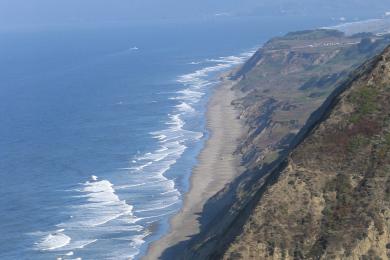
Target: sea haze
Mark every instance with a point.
(100, 127)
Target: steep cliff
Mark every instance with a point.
(317, 184)
(332, 198)
(289, 78)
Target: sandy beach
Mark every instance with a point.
(217, 167)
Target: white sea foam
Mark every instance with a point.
(150, 194)
(53, 241)
(137, 241)
(160, 137)
(185, 108)
(99, 207)
(154, 195)
(138, 184)
(173, 141)
(188, 95)
(102, 206)
(83, 244)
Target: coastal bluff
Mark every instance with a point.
(316, 105)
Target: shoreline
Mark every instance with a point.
(217, 156)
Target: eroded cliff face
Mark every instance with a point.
(288, 79)
(332, 200)
(317, 184)
(317, 155)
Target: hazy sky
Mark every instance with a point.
(23, 12)
(41, 11)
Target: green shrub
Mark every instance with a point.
(365, 101)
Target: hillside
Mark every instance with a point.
(317, 184)
(332, 198)
(289, 78)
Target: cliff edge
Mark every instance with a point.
(327, 194)
(332, 198)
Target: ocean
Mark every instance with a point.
(100, 127)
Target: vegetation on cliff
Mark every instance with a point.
(317, 154)
(332, 200)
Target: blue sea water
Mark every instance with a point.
(100, 127)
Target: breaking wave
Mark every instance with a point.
(99, 213)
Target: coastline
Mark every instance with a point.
(218, 157)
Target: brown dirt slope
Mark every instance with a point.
(288, 79)
(298, 205)
(332, 199)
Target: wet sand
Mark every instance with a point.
(217, 166)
